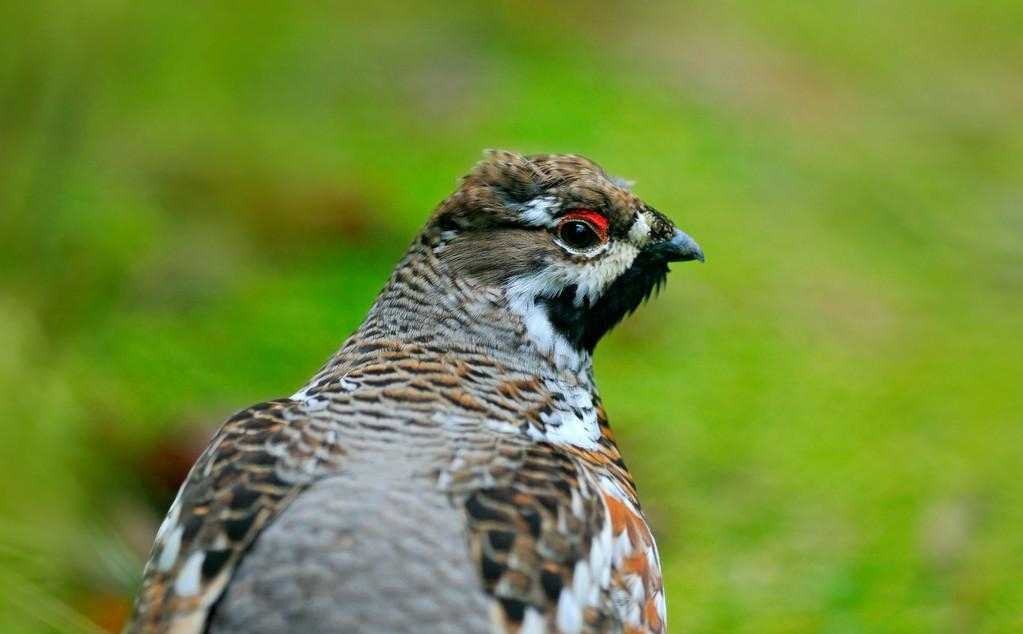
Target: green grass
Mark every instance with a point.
(198, 203)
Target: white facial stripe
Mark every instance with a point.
(522, 294)
(592, 278)
(539, 211)
(639, 232)
(547, 282)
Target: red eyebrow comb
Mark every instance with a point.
(597, 219)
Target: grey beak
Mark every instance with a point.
(679, 248)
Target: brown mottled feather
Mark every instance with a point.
(255, 464)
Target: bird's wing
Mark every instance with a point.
(256, 464)
(561, 550)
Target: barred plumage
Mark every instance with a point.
(451, 467)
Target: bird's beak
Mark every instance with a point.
(678, 248)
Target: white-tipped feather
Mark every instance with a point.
(187, 584)
(570, 615)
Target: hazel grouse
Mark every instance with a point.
(451, 467)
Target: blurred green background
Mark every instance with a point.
(199, 201)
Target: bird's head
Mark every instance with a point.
(573, 248)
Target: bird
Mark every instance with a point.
(451, 468)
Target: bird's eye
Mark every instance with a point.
(580, 231)
(578, 234)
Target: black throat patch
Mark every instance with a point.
(583, 325)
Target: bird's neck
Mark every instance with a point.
(425, 304)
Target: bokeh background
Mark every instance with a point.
(198, 201)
